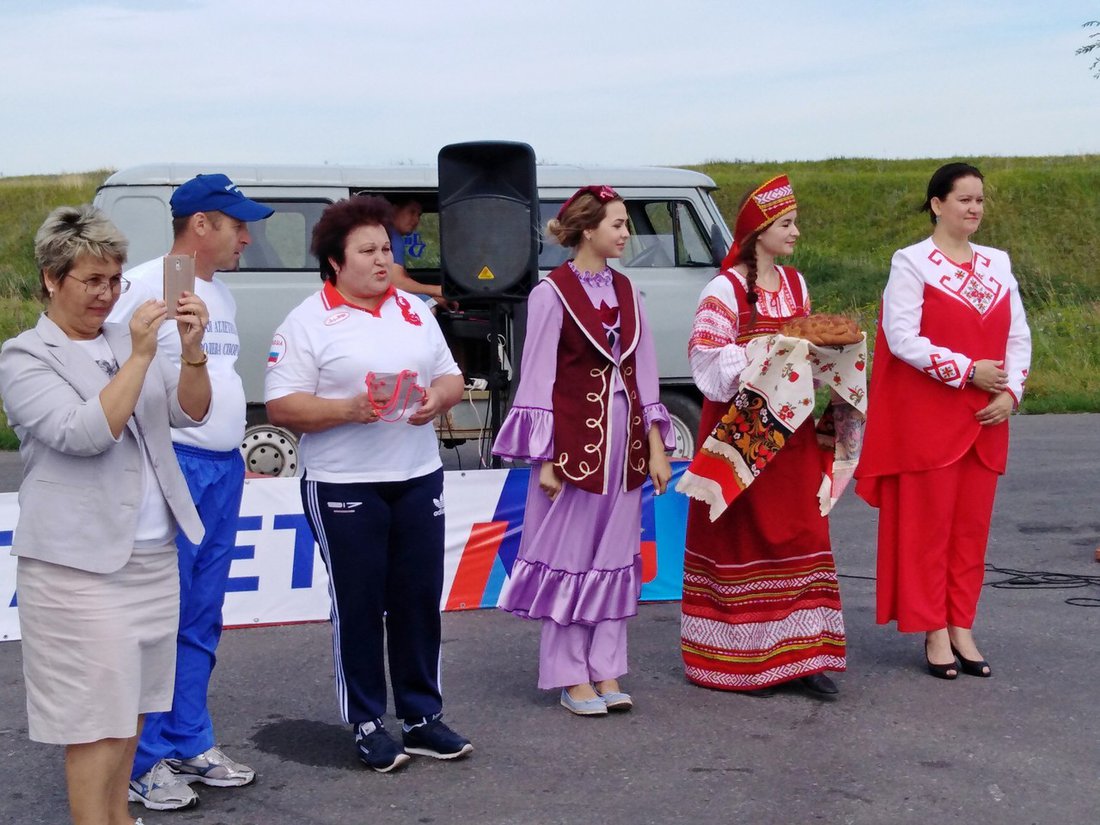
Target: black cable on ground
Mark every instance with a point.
(1046, 580)
(1030, 580)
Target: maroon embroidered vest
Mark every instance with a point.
(582, 393)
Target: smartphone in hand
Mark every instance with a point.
(179, 277)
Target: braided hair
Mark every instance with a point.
(747, 256)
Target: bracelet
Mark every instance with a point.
(198, 363)
(970, 375)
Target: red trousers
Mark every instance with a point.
(932, 534)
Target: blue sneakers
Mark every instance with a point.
(433, 738)
(377, 749)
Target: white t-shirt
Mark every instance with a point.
(326, 347)
(224, 430)
(155, 523)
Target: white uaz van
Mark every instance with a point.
(678, 237)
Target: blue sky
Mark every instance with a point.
(112, 83)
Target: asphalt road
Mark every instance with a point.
(897, 746)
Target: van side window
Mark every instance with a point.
(282, 241)
(663, 233)
(551, 253)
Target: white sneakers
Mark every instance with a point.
(166, 786)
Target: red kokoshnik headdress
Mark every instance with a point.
(767, 203)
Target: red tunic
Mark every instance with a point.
(938, 416)
(942, 316)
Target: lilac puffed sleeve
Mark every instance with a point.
(653, 411)
(528, 430)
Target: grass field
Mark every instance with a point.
(853, 214)
(1044, 211)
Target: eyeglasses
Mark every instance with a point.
(103, 286)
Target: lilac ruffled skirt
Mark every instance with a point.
(579, 560)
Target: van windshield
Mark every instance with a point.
(663, 233)
(282, 241)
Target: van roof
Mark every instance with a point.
(397, 177)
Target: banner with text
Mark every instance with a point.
(277, 575)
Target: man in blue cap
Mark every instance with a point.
(210, 219)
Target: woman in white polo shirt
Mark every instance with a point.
(361, 369)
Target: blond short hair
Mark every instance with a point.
(72, 232)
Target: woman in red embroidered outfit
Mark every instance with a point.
(587, 415)
(951, 357)
(761, 604)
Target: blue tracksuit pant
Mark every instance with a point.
(216, 482)
(382, 543)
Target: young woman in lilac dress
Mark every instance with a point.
(587, 416)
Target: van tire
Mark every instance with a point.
(684, 410)
(270, 451)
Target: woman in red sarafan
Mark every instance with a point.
(951, 357)
(761, 604)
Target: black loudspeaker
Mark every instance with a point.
(488, 220)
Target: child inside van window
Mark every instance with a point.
(587, 416)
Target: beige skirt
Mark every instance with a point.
(98, 648)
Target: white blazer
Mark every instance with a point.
(78, 504)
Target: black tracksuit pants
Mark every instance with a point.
(382, 543)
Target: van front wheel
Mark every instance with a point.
(270, 451)
(684, 412)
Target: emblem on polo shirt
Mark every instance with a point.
(407, 311)
(337, 317)
(277, 351)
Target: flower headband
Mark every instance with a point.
(605, 194)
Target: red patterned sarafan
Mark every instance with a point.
(406, 311)
(946, 371)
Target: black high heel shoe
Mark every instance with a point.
(973, 667)
(948, 671)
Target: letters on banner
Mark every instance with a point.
(277, 576)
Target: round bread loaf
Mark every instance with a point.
(824, 330)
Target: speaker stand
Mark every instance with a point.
(499, 379)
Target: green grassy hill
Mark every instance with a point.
(1045, 212)
(853, 214)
